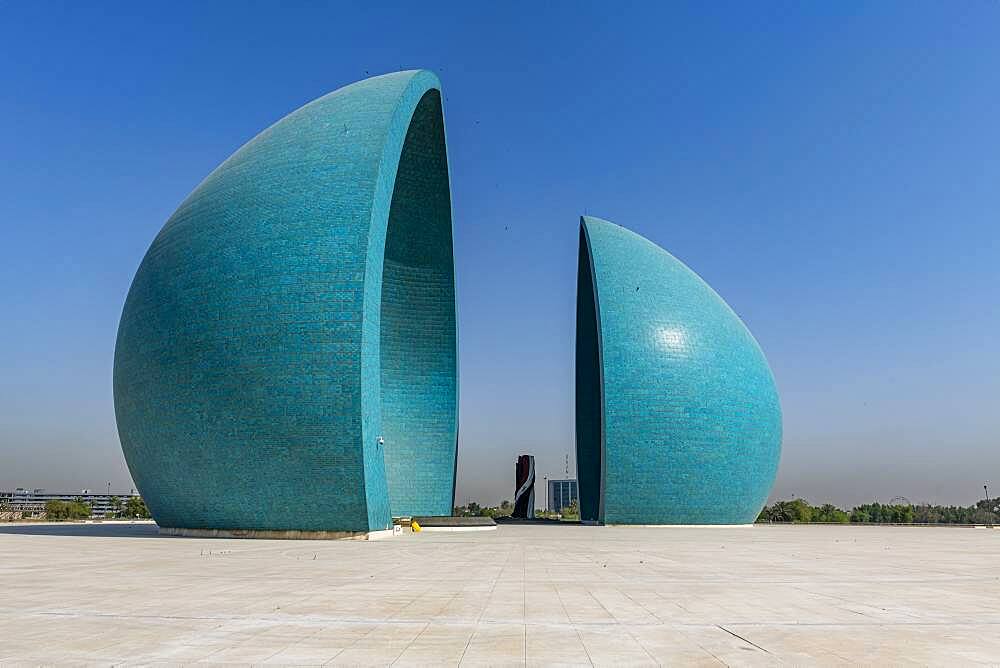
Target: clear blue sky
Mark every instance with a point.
(831, 170)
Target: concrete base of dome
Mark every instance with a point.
(450, 523)
(460, 528)
(287, 534)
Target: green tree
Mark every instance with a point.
(860, 514)
(779, 512)
(801, 511)
(136, 507)
(797, 510)
(572, 511)
(987, 512)
(830, 513)
(59, 511)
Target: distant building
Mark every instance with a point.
(562, 494)
(32, 501)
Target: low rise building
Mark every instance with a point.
(31, 502)
(562, 494)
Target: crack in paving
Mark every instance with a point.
(736, 635)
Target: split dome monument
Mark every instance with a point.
(677, 415)
(291, 335)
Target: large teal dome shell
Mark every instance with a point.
(286, 358)
(677, 415)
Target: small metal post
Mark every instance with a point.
(546, 478)
(989, 508)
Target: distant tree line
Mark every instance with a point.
(795, 510)
(800, 510)
(473, 509)
(61, 511)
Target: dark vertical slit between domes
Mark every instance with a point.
(589, 402)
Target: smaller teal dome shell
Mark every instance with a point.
(677, 414)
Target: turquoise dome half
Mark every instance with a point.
(286, 358)
(677, 414)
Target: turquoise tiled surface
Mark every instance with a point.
(297, 306)
(678, 419)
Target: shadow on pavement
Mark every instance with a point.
(138, 530)
(539, 521)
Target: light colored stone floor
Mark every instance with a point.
(522, 594)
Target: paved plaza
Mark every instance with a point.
(761, 595)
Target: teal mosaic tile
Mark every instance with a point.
(677, 415)
(286, 357)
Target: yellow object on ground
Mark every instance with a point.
(415, 526)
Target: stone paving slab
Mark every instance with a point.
(521, 595)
